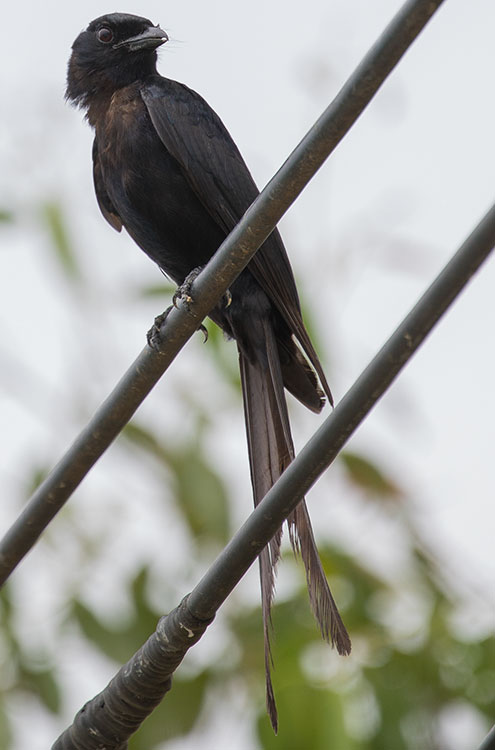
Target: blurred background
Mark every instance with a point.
(404, 519)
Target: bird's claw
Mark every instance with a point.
(183, 292)
(182, 296)
(204, 331)
(153, 336)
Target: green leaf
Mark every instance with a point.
(103, 637)
(198, 489)
(62, 244)
(157, 290)
(117, 644)
(200, 494)
(43, 684)
(120, 642)
(6, 217)
(145, 439)
(145, 617)
(37, 475)
(223, 352)
(176, 715)
(368, 477)
(309, 718)
(5, 733)
(5, 607)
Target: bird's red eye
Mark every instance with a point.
(105, 34)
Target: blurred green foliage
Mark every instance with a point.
(197, 489)
(367, 476)
(391, 693)
(6, 216)
(54, 219)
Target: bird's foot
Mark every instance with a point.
(154, 336)
(183, 293)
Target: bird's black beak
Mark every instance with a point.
(151, 38)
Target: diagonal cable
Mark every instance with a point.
(489, 741)
(217, 276)
(109, 719)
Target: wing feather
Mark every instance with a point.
(196, 137)
(105, 204)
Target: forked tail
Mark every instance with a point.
(270, 452)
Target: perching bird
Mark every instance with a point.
(166, 169)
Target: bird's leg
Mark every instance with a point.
(183, 291)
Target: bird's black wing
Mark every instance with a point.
(196, 137)
(106, 206)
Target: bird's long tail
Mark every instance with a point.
(270, 451)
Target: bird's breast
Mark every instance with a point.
(150, 190)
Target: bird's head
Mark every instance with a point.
(112, 52)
